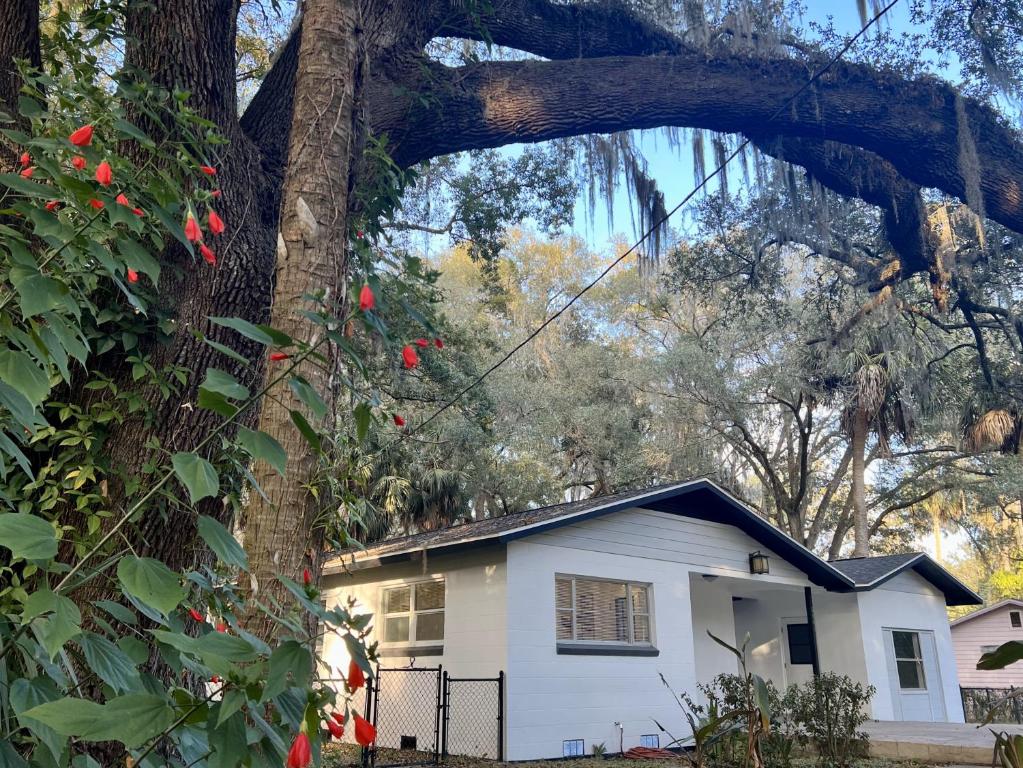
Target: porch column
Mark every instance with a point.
(815, 660)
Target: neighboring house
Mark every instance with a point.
(984, 630)
(584, 604)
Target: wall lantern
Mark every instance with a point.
(758, 563)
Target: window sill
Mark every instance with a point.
(602, 649)
(410, 650)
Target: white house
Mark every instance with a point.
(981, 631)
(582, 605)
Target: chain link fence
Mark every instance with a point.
(1006, 704)
(473, 717)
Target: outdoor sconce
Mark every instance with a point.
(758, 563)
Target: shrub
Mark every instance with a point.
(829, 711)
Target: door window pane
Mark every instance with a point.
(911, 674)
(800, 644)
(908, 660)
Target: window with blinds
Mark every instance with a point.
(413, 613)
(602, 611)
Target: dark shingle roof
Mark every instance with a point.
(866, 570)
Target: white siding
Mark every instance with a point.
(839, 634)
(992, 628)
(554, 697)
(906, 602)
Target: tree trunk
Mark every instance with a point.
(861, 528)
(19, 39)
(284, 532)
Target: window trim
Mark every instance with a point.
(633, 647)
(411, 643)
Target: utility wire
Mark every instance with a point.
(646, 235)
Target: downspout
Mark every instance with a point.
(815, 660)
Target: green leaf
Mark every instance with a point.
(137, 257)
(226, 350)
(27, 536)
(215, 646)
(363, 418)
(222, 542)
(245, 328)
(55, 619)
(38, 293)
(306, 429)
(118, 611)
(292, 659)
(224, 383)
(232, 701)
(26, 694)
(20, 372)
(216, 402)
(260, 445)
(151, 582)
(227, 741)
(197, 475)
(123, 126)
(1002, 656)
(109, 662)
(304, 391)
(24, 186)
(132, 719)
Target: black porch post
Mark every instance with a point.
(815, 659)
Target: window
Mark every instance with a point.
(908, 660)
(1014, 619)
(602, 611)
(800, 644)
(414, 613)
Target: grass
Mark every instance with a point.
(341, 755)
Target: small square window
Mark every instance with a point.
(800, 643)
(1014, 619)
(651, 740)
(572, 748)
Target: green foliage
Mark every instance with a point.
(830, 711)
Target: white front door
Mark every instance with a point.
(797, 650)
(913, 675)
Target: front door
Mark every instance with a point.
(797, 644)
(913, 674)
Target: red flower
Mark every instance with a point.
(97, 204)
(359, 234)
(137, 211)
(221, 626)
(422, 343)
(365, 733)
(276, 357)
(122, 200)
(216, 223)
(216, 193)
(356, 679)
(133, 276)
(398, 420)
(27, 173)
(438, 344)
(215, 679)
(104, 175)
(208, 254)
(209, 170)
(82, 137)
(26, 159)
(366, 299)
(340, 717)
(52, 205)
(336, 729)
(307, 577)
(195, 614)
(78, 162)
(301, 754)
(192, 231)
(409, 356)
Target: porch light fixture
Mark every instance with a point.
(758, 563)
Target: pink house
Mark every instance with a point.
(982, 631)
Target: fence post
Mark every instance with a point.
(445, 703)
(500, 716)
(369, 753)
(436, 726)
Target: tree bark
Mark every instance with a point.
(861, 528)
(19, 39)
(284, 531)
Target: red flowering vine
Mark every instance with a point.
(81, 137)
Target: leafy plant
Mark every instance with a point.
(599, 750)
(1008, 749)
(830, 710)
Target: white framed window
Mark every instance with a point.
(591, 610)
(909, 661)
(413, 613)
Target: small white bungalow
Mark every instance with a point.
(583, 604)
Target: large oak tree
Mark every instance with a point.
(352, 67)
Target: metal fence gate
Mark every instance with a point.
(473, 710)
(425, 710)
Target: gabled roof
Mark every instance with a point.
(700, 499)
(871, 572)
(1007, 603)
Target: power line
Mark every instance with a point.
(646, 235)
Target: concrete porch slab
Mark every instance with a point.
(961, 743)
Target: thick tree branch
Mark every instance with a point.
(911, 124)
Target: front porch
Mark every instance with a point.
(933, 743)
